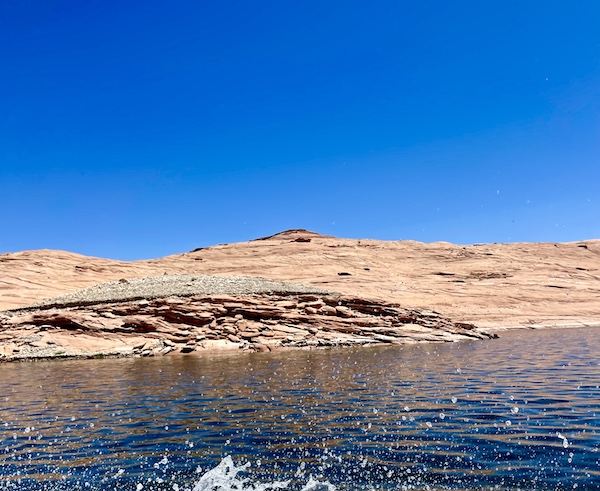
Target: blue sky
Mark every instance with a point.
(136, 129)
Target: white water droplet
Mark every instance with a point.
(565, 442)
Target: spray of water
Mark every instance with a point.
(226, 477)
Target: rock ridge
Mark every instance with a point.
(493, 286)
(263, 321)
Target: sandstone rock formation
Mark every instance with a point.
(261, 322)
(488, 285)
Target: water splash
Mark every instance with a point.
(225, 477)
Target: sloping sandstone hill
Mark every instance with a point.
(490, 285)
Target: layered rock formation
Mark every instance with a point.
(256, 322)
(489, 285)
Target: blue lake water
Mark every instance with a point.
(519, 412)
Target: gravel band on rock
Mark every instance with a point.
(173, 285)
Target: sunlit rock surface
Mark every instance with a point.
(487, 285)
(161, 315)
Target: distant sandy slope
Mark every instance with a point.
(490, 285)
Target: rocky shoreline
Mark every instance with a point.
(180, 314)
(121, 308)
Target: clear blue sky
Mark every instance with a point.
(135, 129)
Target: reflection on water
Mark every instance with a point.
(521, 412)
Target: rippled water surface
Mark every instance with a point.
(520, 412)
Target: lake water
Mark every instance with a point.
(520, 412)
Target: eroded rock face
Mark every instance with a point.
(491, 285)
(219, 323)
